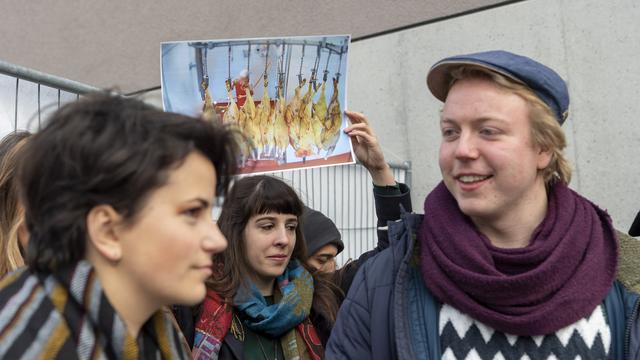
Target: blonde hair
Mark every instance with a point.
(11, 213)
(546, 132)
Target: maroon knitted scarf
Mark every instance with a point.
(559, 278)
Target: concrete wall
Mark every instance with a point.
(592, 45)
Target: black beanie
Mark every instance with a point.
(319, 231)
(635, 227)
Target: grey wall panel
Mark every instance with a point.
(375, 83)
(602, 54)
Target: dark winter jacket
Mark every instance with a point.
(375, 320)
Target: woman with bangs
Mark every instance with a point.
(265, 300)
(262, 301)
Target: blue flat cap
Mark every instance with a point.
(542, 80)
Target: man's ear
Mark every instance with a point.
(102, 223)
(544, 158)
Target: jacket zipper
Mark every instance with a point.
(627, 331)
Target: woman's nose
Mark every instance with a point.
(214, 241)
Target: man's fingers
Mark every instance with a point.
(361, 135)
(356, 117)
(359, 126)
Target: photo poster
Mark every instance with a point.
(292, 118)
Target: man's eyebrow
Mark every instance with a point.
(476, 120)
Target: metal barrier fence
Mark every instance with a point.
(345, 195)
(27, 96)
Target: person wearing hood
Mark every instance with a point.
(324, 241)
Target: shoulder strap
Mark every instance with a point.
(311, 339)
(212, 326)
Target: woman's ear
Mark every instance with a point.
(23, 237)
(102, 223)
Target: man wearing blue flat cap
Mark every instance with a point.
(508, 262)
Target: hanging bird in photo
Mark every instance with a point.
(251, 125)
(291, 115)
(280, 128)
(306, 139)
(208, 110)
(319, 114)
(265, 121)
(231, 112)
(332, 123)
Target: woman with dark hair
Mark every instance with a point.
(266, 300)
(13, 236)
(262, 301)
(117, 199)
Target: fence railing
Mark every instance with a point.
(27, 96)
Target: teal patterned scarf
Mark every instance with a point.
(287, 318)
(296, 287)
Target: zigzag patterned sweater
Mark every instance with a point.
(462, 337)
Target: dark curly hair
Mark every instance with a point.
(106, 149)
